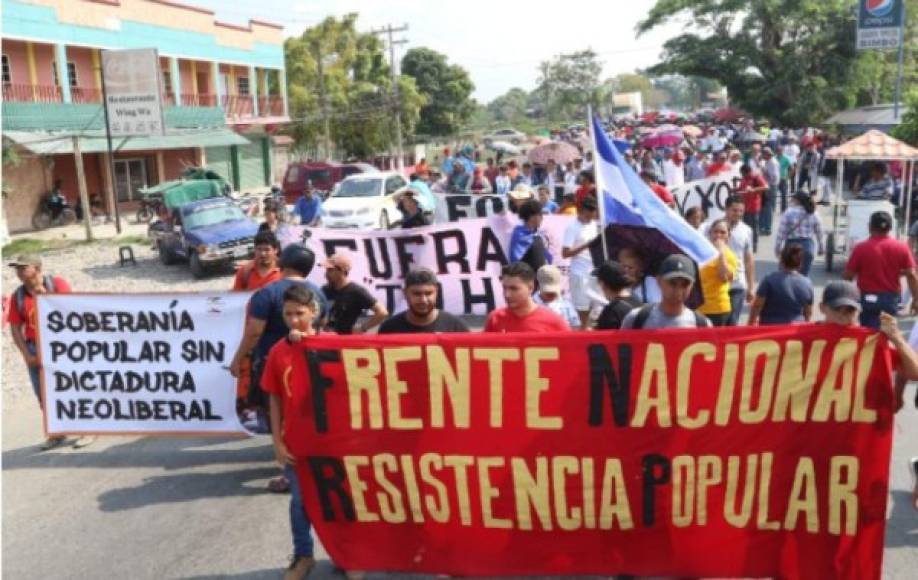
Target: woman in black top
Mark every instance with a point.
(413, 217)
(616, 285)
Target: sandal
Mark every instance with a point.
(279, 485)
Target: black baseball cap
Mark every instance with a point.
(677, 266)
(613, 275)
(839, 293)
(881, 221)
(298, 257)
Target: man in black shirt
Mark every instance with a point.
(422, 315)
(616, 286)
(348, 300)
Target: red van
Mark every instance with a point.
(324, 176)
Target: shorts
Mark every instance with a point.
(580, 291)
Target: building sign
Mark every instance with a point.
(879, 24)
(133, 95)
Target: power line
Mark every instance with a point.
(390, 31)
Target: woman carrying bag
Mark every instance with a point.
(801, 226)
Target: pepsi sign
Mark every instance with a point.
(879, 24)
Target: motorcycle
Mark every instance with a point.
(150, 207)
(49, 214)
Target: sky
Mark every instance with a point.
(500, 42)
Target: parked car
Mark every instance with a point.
(510, 135)
(364, 201)
(324, 176)
(209, 233)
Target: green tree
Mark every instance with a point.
(792, 60)
(570, 82)
(358, 90)
(510, 106)
(908, 130)
(446, 88)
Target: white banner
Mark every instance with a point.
(452, 207)
(133, 97)
(467, 257)
(140, 363)
(710, 194)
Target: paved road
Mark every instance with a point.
(196, 508)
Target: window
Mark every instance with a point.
(167, 82)
(242, 86)
(7, 75)
(394, 184)
(71, 72)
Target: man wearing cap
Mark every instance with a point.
(265, 325)
(422, 316)
(577, 239)
(616, 286)
(549, 295)
(676, 278)
(348, 300)
(308, 207)
(877, 264)
(23, 318)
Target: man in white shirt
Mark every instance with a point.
(740, 241)
(713, 142)
(673, 169)
(577, 239)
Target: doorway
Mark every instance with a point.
(130, 178)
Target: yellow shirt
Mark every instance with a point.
(716, 292)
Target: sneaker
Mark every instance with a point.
(51, 443)
(84, 441)
(299, 568)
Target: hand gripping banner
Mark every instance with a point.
(717, 452)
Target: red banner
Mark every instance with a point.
(721, 452)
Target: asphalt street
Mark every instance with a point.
(141, 508)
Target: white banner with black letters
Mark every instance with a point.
(140, 363)
(709, 194)
(452, 207)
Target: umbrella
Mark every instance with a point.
(560, 152)
(504, 147)
(692, 131)
(669, 129)
(658, 140)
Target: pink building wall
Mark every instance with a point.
(19, 62)
(81, 57)
(44, 56)
(185, 74)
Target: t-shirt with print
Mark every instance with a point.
(286, 375)
(615, 312)
(577, 234)
(445, 322)
(657, 319)
(27, 319)
(539, 320)
(786, 294)
(267, 305)
(346, 305)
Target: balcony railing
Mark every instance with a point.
(168, 100)
(202, 100)
(85, 95)
(237, 106)
(31, 93)
(272, 106)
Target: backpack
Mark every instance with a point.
(20, 294)
(701, 321)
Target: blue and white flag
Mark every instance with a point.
(625, 199)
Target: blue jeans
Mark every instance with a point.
(35, 374)
(752, 220)
(768, 211)
(871, 308)
(808, 246)
(299, 521)
(737, 299)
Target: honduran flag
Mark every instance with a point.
(625, 200)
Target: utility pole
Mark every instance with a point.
(317, 53)
(389, 31)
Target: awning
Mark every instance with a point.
(59, 143)
(873, 145)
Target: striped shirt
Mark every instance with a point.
(797, 223)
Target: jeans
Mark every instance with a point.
(872, 304)
(720, 319)
(299, 521)
(782, 189)
(752, 220)
(808, 246)
(35, 374)
(737, 299)
(768, 211)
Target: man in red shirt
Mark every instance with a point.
(522, 314)
(587, 186)
(751, 189)
(23, 318)
(658, 189)
(877, 264)
(719, 165)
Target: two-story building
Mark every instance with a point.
(224, 92)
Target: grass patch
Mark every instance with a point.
(38, 246)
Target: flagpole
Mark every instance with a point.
(597, 180)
